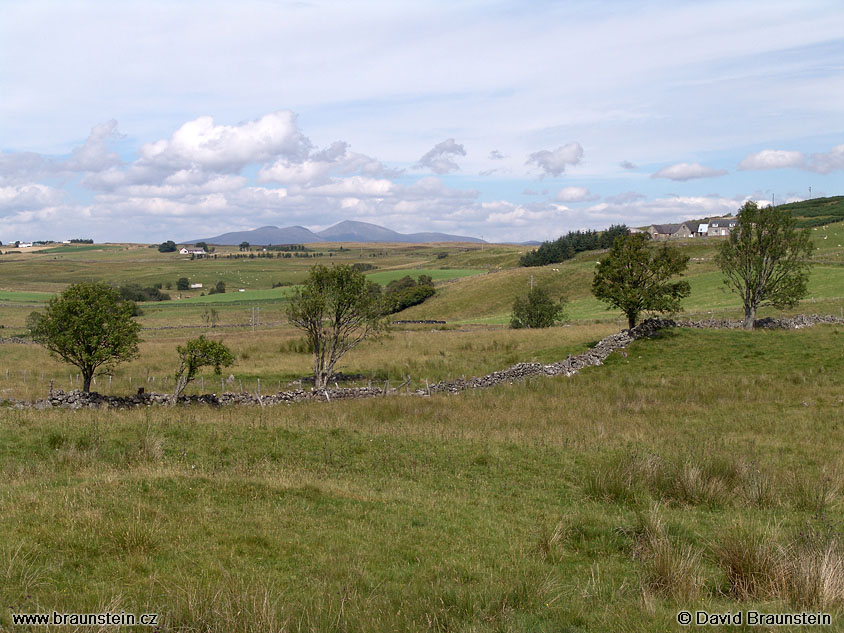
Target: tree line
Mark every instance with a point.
(570, 244)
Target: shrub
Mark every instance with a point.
(537, 310)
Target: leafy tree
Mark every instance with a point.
(635, 278)
(203, 246)
(537, 310)
(406, 292)
(244, 246)
(220, 288)
(337, 309)
(167, 247)
(183, 283)
(134, 292)
(88, 326)
(766, 259)
(196, 354)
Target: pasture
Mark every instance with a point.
(699, 470)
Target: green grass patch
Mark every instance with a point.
(383, 277)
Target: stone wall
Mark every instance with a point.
(592, 357)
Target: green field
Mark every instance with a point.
(487, 511)
(699, 469)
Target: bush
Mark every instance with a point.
(406, 292)
(167, 247)
(183, 283)
(537, 310)
(134, 292)
(218, 289)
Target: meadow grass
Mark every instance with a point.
(603, 502)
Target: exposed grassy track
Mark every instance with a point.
(523, 508)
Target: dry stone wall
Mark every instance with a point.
(592, 357)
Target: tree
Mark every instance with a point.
(219, 288)
(244, 246)
(635, 278)
(167, 247)
(183, 283)
(203, 246)
(196, 354)
(766, 259)
(88, 326)
(537, 310)
(337, 308)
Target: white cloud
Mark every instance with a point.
(95, 155)
(439, 158)
(574, 194)
(773, 159)
(828, 162)
(30, 196)
(626, 164)
(688, 171)
(227, 148)
(555, 162)
(496, 155)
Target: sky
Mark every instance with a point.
(511, 121)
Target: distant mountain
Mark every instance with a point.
(347, 231)
(351, 231)
(265, 235)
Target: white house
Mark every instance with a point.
(24, 244)
(192, 251)
(195, 286)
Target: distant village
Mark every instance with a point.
(708, 227)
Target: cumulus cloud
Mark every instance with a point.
(439, 158)
(574, 194)
(496, 155)
(228, 148)
(772, 159)
(15, 198)
(688, 171)
(626, 164)
(95, 155)
(827, 162)
(555, 162)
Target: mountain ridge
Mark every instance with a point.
(345, 231)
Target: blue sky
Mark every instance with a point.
(146, 121)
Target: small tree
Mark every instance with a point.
(183, 283)
(244, 246)
(766, 259)
(635, 278)
(337, 308)
(196, 354)
(88, 326)
(167, 247)
(537, 310)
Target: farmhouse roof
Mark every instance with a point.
(665, 228)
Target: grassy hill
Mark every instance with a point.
(817, 211)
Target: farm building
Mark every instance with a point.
(720, 227)
(663, 231)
